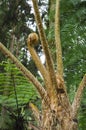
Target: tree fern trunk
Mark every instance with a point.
(52, 122)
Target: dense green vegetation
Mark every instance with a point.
(17, 21)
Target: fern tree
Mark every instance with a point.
(57, 111)
(15, 94)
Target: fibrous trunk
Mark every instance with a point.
(57, 120)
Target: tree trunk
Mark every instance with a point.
(51, 122)
(58, 118)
